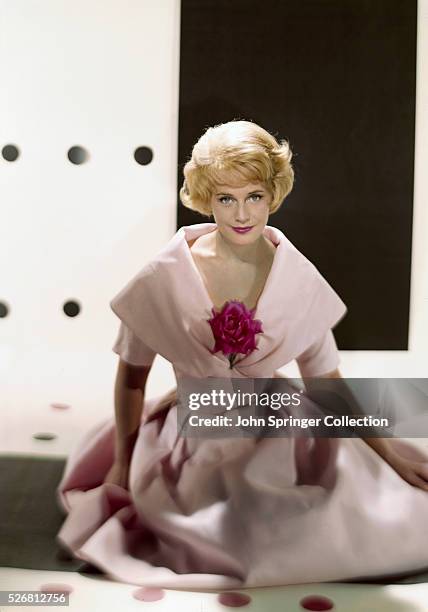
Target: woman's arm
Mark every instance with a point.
(128, 404)
(129, 391)
(414, 472)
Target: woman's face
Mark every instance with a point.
(241, 207)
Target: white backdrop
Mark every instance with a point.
(104, 75)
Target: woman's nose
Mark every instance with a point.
(242, 213)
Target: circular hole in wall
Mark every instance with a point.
(44, 435)
(143, 155)
(77, 155)
(10, 152)
(71, 308)
(4, 310)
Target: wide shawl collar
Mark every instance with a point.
(167, 305)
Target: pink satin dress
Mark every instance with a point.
(236, 512)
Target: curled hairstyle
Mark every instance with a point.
(237, 152)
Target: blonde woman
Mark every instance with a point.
(233, 298)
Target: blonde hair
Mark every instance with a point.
(238, 151)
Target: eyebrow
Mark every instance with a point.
(250, 193)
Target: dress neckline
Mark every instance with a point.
(197, 275)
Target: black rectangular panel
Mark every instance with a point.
(337, 78)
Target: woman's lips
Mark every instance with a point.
(242, 230)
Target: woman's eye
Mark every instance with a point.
(226, 199)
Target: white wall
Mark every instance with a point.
(104, 75)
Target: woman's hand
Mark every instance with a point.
(118, 473)
(414, 472)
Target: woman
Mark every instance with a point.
(154, 508)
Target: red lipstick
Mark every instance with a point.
(242, 230)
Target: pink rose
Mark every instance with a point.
(234, 329)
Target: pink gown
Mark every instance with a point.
(236, 512)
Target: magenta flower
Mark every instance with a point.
(234, 330)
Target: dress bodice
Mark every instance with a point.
(166, 306)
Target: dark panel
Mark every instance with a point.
(337, 79)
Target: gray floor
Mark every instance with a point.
(30, 517)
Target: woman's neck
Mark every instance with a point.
(251, 253)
